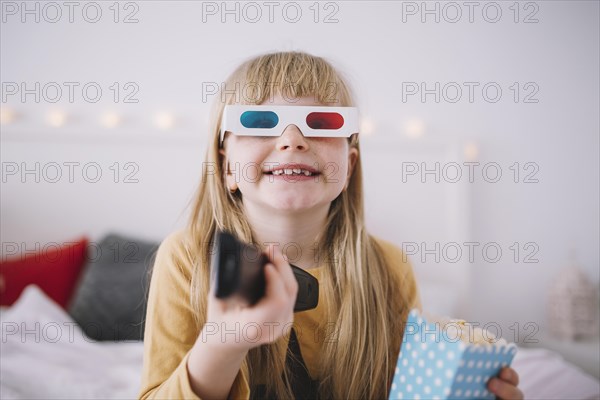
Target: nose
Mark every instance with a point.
(292, 138)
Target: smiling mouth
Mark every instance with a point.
(300, 170)
(292, 172)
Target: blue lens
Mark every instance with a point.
(259, 119)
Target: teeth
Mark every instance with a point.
(292, 171)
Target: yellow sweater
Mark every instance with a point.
(170, 331)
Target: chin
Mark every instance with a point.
(290, 202)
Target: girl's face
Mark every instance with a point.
(249, 158)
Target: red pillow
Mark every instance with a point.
(55, 269)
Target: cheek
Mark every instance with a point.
(245, 163)
(246, 151)
(342, 170)
(335, 167)
(333, 151)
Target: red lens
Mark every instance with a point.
(324, 120)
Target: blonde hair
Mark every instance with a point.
(364, 299)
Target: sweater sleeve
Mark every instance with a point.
(170, 331)
(400, 263)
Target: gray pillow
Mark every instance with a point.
(110, 300)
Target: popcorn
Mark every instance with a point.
(469, 334)
(447, 358)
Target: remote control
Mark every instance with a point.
(239, 271)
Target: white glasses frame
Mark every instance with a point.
(288, 115)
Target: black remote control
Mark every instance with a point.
(239, 270)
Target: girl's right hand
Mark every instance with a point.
(241, 327)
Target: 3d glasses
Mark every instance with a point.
(250, 120)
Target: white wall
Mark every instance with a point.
(170, 54)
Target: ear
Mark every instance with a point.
(224, 160)
(352, 158)
(229, 177)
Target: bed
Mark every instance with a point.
(46, 355)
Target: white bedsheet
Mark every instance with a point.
(45, 355)
(545, 375)
(61, 362)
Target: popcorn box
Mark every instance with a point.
(442, 366)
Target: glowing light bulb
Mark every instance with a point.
(471, 151)
(7, 116)
(56, 119)
(110, 120)
(414, 128)
(367, 127)
(164, 120)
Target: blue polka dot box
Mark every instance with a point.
(442, 366)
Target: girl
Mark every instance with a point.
(198, 346)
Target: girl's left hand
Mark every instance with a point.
(505, 385)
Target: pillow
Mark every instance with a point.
(110, 302)
(55, 270)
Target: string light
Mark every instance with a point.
(367, 127)
(7, 116)
(110, 120)
(164, 120)
(414, 128)
(471, 151)
(56, 119)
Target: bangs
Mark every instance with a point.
(290, 75)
